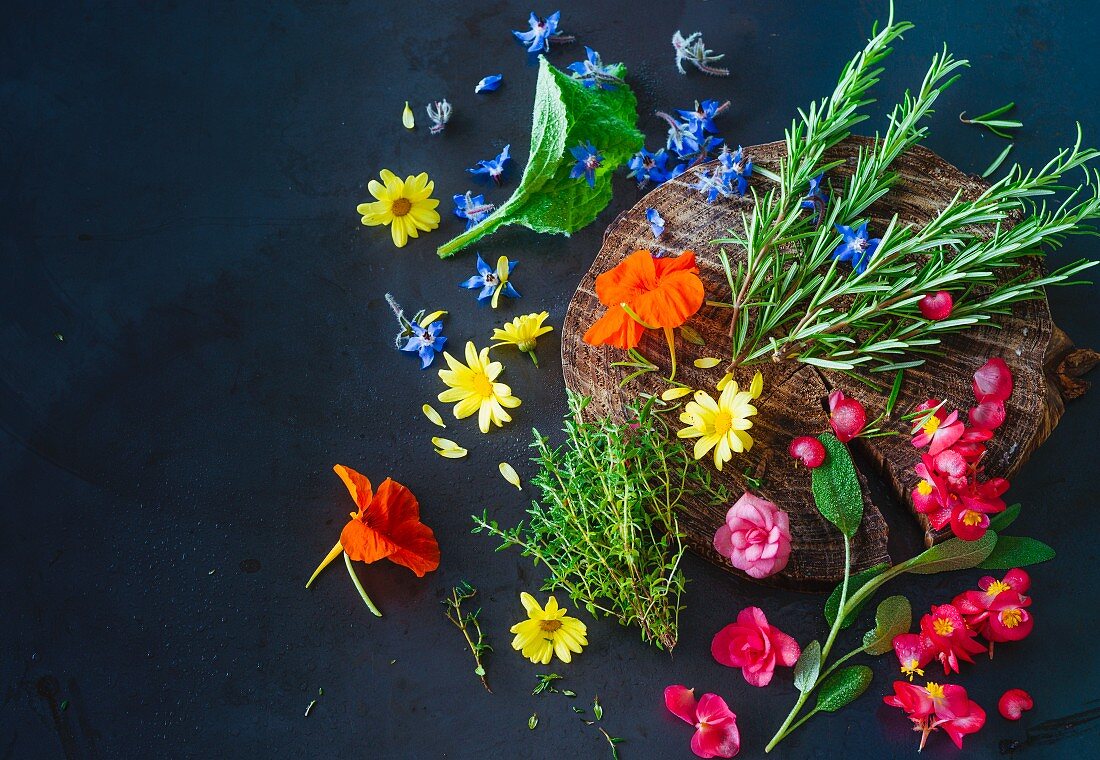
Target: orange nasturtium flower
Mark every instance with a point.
(386, 526)
(645, 291)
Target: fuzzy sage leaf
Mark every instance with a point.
(1016, 551)
(953, 554)
(836, 487)
(843, 687)
(808, 667)
(893, 616)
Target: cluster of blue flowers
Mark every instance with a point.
(730, 176)
(692, 139)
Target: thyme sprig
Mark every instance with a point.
(470, 626)
(606, 527)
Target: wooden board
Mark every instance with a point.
(1042, 360)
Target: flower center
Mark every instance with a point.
(722, 422)
(1012, 617)
(549, 625)
(943, 627)
(972, 518)
(935, 691)
(401, 207)
(931, 425)
(591, 163)
(910, 668)
(996, 587)
(483, 386)
(924, 488)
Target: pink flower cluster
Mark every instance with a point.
(951, 490)
(935, 706)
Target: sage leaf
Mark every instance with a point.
(894, 616)
(855, 583)
(1016, 551)
(1002, 520)
(836, 487)
(843, 687)
(953, 554)
(808, 667)
(566, 114)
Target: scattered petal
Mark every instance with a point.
(1013, 703)
(489, 84)
(433, 415)
(407, 117)
(674, 393)
(425, 321)
(707, 362)
(510, 474)
(656, 222)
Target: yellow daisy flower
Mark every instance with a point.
(405, 206)
(548, 632)
(523, 332)
(472, 386)
(721, 425)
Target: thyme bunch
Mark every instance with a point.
(606, 527)
(469, 625)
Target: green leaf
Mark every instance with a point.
(1016, 551)
(836, 487)
(566, 114)
(953, 554)
(843, 687)
(1002, 520)
(807, 667)
(893, 616)
(855, 583)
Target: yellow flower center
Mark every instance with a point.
(931, 425)
(972, 518)
(722, 422)
(1012, 618)
(935, 691)
(943, 627)
(924, 488)
(482, 385)
(910, 667)
(401, 207)
(997, 587)
(549, 625)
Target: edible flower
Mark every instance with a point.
(542, 33)
(946, 634)
(992, 386)
(472, 208)
(716, 733)
(735, 166)
(935, 706)
(856, 248)
(691, 49)
(721, 425)
(385, 526)
(652, 167)
(493, 168)
(807, 450)
(756, 536)
(440, 113)
(912, 653)
(592, 72)
(473, 386)
(998, 610)
(588, 161)
(448, 449)
(548, 632)
(489, 84)
(703, 115)
(936, 429)
(936, 306)
(426, 342)
(492, 282)
(846, 416)
(523, 332)
(656, 222)
(816, 199)
(755, 646)
(1014, 703)
(407, 206)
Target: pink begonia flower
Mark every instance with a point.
(846, 416)
(992, 381)
(937, 430)
(755, 646)
(756, 537)
(945, 633)
(958, 716)
(1013, 703)
(913, 653)
(716, 733)
(997, 611)
(935, 706)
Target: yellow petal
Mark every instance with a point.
(510, 474)
(674, 393)
(707, 362)
(433, 415)
(726, 378)
(407, 117)
(451, 453)
(502, 268)
(432, 317)
(757, 386)
(445, 443)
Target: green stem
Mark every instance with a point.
(359, 586)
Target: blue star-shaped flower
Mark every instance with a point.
(492, 282)
(857, 249)
(712, 184)
(426, 341)
(489, 83)
(653, 167)
(698, 148)
(816, 199)
(656, 222)
(588, 160)
(537, 39)
(704, 113)
(593, 73)
(734, 166)
(472, 208)
(493, 168)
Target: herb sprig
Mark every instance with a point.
(470, 626)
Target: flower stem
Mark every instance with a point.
(670, 338)
(359, 586)
(333, 554)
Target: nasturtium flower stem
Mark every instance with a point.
(333, 554)
(670, 338)
(359, 586)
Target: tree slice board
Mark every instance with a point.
(1042, 360)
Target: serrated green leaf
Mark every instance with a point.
(1016, 551)
(1002, 520)
(855, 583)
(953, 554)
(566, 114)
(843, 687)
(894, 616)
(808, 667)
(836, 487)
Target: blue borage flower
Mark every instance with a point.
(736, 167)
(493, 168)
(816, 199)
(426, 342)
(703, 115)
(593, 73)
(857, 249)
(489, 83)
(542, 32)
(588, 160)
(653, 167)
(656, 222)
(472, 208)
(689, 140)
(492, 282)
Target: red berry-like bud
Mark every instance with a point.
(1013, 703)
(936, 306)
(808, 450)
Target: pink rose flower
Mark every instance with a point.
(755, 646)
(756, 537)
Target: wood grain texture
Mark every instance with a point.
(1043, 361)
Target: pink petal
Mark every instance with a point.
(1013, 703)
(988, 415)
(786, 648)
(717, 735)
(723, 543)
(993, 381)
(680, 701)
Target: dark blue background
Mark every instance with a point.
(179, 183)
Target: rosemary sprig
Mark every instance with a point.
(992, 123)
(469, 625)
